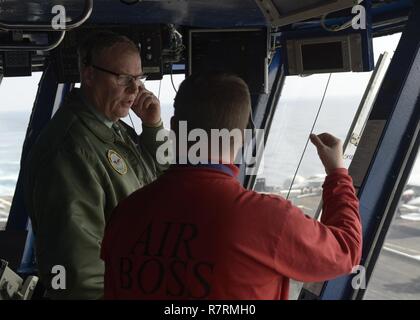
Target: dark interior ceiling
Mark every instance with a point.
(198, 13)
(388, 16)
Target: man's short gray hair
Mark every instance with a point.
(93, 45)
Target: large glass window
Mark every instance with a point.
(285, 160)
(326, 103)
(292, 125)
(17, 96)
(397, 271)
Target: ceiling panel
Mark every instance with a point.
(200, 13)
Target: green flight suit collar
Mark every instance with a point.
(98, 115)
(89, 118)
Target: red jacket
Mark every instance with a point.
(196, 233)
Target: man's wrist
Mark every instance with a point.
(153, 125)
(336, 170)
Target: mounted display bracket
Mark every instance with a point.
(243, 52)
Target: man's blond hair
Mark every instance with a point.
(213, 101)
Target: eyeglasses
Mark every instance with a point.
(123, 79)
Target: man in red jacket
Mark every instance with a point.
(210, 238)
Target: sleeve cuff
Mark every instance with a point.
(157, 125)
(339, 171)
(335, 175)
(148, 134)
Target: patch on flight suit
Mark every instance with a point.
(117, 162)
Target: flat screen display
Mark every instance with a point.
(239, 52)
(322, 56)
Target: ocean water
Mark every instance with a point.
(13, 125)
(289, 133)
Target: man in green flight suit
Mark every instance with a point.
(85, 161)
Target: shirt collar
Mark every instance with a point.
(229, 169)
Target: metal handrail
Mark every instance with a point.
(32, 47)
(48, 27)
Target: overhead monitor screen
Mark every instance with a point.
(239, 52)
(320, 56)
